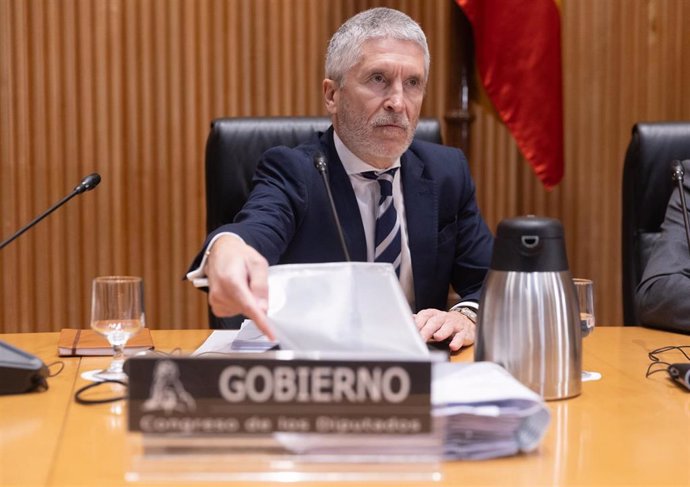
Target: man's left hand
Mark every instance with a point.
(436, 326)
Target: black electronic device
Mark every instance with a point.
(681, 374)
(20, 371)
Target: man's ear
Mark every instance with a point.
(330, 95)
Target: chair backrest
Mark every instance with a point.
(647, 187)
(235, 145)
(233, 149)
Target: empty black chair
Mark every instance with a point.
(647, 187)
(233, 149)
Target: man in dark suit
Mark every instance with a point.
(663, 295)
(406, 202)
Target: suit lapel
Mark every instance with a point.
(345, 201)
(421, 216)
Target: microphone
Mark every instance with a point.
(681, 374)
(86, 184)
(322, 167)
(677, 175)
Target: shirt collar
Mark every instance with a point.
(352, 163)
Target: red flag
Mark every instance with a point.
(518, 53)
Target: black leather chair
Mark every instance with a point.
(233, 149)
(647, 187)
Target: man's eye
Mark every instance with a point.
(413, 83)
(378, 78)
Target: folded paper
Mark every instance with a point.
(342, 307)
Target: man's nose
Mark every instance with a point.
(394, 98)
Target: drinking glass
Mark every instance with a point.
(585, 300)
(117, 312)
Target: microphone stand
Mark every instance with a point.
(322, 167)
(87, 184)
(677, 175)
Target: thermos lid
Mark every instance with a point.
(529, 244)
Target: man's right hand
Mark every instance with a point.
(238, 281)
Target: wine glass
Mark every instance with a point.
(117, 312)
(584, 289)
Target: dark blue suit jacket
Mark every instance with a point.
(287, 217)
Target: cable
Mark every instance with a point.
(78, 396)
(57, 362)
(81, 400)
(659, 365)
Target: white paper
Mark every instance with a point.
(250, 339)
(219, 341)
(342, 307)
(488, 412)
(466, 383)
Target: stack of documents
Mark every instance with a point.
(485, 412)
(479, 412)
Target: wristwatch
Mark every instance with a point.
(469, 312)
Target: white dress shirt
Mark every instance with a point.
(368, 192)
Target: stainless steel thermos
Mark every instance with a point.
(529, 319)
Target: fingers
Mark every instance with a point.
(458, 341)
(422, 317)
(429, 321)
(238, 282)
(435, 325)
(465, 335)
(258, 280)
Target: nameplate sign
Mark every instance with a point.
(249, 395)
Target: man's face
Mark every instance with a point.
(375, 111)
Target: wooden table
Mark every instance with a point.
(623, 430)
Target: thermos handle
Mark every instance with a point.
(530, 241)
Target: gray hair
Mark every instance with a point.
(345, 47)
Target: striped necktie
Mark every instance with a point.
(387, 239)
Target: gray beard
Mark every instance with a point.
(357, 135)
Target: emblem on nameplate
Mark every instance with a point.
(167, 391)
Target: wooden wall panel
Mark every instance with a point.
(625, 62)
(127, 88)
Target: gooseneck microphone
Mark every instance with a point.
(86, 184)
(681, 372)
(322, 167)
(677, 174)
